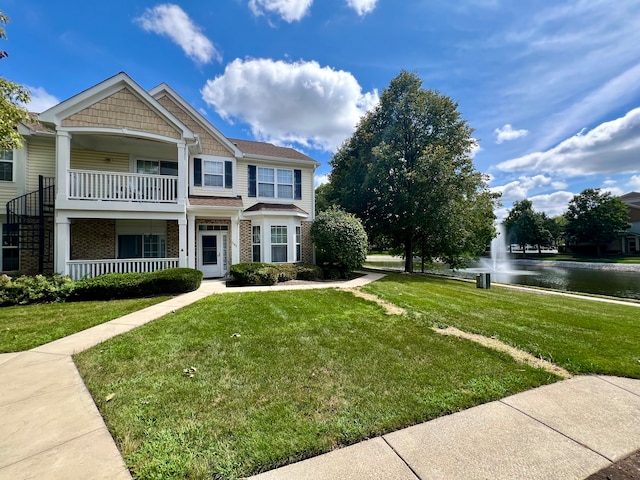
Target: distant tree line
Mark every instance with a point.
(592, 221)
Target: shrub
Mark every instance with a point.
(341, 241)
(133, 285)
(272, 273)
(24, 289)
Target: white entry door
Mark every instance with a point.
(210, 260)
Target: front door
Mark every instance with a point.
(210, 254)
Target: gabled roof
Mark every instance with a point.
(632, 199)
(103, 90)
(275, 207)
(263, 149)
(35, 126)
(164, 89)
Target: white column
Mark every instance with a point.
(183, 173)
(63, 163)
(182, 242)
(61, 245)
(235, 240)
(191, 239)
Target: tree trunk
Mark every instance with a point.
(539, 249)
(408, 254)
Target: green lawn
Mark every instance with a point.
(580, 335)
(25, 327)
(278, 377)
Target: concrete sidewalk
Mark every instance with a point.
(51, 429)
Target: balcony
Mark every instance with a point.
(122, 187)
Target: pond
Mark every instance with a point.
(600, 279)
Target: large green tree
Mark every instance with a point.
(13, 97)
(596, 218)
(408, 174)
(526, 226)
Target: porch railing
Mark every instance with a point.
(123, 187)
(92, 268)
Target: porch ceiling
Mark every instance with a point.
(125, 144)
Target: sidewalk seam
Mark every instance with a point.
(401, 458)
(558, 431)
(617, 386)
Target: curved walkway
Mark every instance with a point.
(51, 429)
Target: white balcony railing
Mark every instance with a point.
(92, 268)
(123, 187)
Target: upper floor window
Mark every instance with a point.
(6, 165)
(214, 173)
(157, 167)
(275, 183)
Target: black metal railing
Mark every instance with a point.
(30, 219)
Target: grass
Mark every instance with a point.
(580, 335)
(244, 382)
(29, 326)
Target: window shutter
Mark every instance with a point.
(252, 180)
(197, 172)
(228, 174)
(297, 174)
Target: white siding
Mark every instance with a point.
(96, 160)
(41, 160)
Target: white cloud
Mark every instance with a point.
(611, 147)
(299, 102)
(519, 189)
(553, 204)
(320, 180)
(615, 191)
(634, 183)
(507, 133)
(289, 10)
(362, 7)
(559, 185)
(40, 100)
(171, 21)
(609, 183)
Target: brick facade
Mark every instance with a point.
(246, 243)
(93, 238)
(173, 239)
(307, 242)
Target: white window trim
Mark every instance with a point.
(265, 223)
(13, 166)
(276, 182)
(204, 188)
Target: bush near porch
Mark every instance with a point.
(24, 290)
(258, 273)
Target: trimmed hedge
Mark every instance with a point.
(133, 285)
(24, 289)
(258, 273)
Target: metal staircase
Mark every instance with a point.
(30, 217)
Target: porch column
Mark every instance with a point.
(182, 242)
(183, 173)
(62, 242)
(235, 241)
(191, 239)
(63, 163)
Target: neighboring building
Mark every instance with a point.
(629, 243)
(119, 179)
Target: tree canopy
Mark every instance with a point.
(13, 97)
(526, 226)
(407, 173)
(596, 218)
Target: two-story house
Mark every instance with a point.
(119, 179)
(629, 243)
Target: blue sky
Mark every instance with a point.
(552, 88)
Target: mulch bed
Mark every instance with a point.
(625, 469)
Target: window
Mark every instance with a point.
(298, 245)
(255, 244)
(157, 167)
(274, 182)
(6, 165)
(142, 246)
(10, 253)
(266, 182)
(279, 244)
(212, 173)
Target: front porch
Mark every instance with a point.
(79, 269)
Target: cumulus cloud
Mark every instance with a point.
(362, 7)
(171, 21)
(615, 191)
(507, 133)
(611, 147)
(40, 100)
(284, 103)
(320, 180)
(553, 204)
(289, 10)
(634, 182)
(519, 189)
